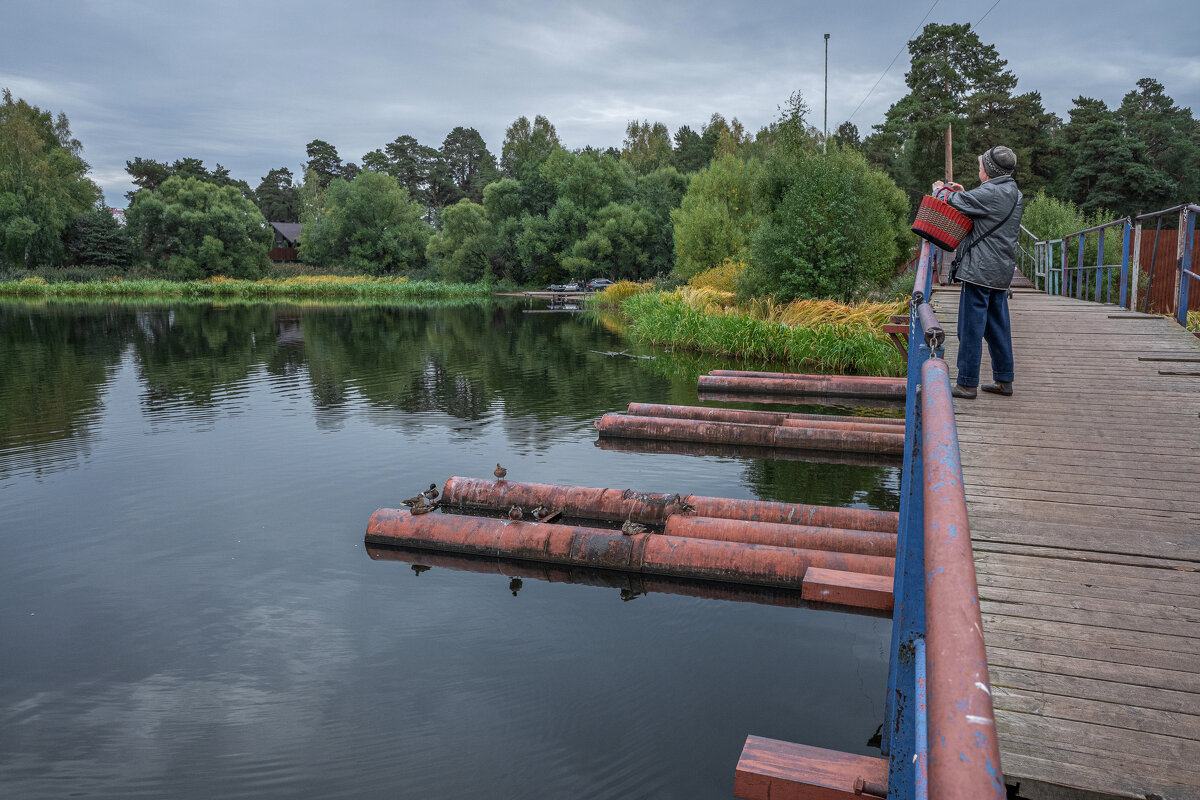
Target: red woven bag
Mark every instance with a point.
(940, 222)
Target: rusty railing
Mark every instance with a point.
(939, 728)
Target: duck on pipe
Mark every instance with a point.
(653, 508)
(707, 559)
(752, 417)
(690, 430)
(828, 385)
(838, 540)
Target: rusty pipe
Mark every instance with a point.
(749, 417)
(651, 507)
(862, 519)
(847, 424)
(802, 376)
(964, 755)
(779, 534)
(744, 451)
(689, 430)
(826, 385)
(735, 562)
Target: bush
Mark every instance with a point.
(723, 277)
(368, 224)
(189, 228)
(834, 226)
(613, 296)
(718, 215)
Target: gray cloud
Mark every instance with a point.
(249, 84)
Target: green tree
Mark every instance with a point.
(527, 145)
(658, 194)
(1171, 140)
(368, 224)
(43, 183)
(96, 239)
(193, 228)
(717, 216)
(647, 147)
(691, 154)
(324, 161)
(832, 226)
(277, 197)
(616, 244)
(1101, 166)
(469, 165)
(146, 174)
(847, 135)
(952, 71)
(462, 249)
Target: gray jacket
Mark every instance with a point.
(990, 262)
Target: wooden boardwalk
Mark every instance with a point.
(1084, 497)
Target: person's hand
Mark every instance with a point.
(938, 185)
(957, 187)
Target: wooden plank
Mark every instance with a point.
(1011, 608)
(1175, 753)
(1070, 665)
(1090, 633)
(1073, 587)
(1097, 557)
(1115, 654)
(1092, 689)
(1109, 781)
(773, 770)
(847, 588)
(1114, 715)
(1139, 608)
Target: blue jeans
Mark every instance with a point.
(983, 316)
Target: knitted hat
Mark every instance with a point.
(999, 161)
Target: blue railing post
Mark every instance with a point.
(1126, 230)
(1079, 270)
(1188, 234)
(1100, 264)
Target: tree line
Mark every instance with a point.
(807, 217)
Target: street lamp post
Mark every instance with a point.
(825, 141)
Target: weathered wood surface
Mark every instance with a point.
(1084, 497)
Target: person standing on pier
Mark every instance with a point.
(985, 262)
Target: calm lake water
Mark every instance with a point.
(188, 610)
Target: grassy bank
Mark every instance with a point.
(810, 335)
(328, 287)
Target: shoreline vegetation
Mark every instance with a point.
(814, 335)
(326, 287)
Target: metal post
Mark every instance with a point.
(1079, 271)
(1135, 273)
(825, 141)
(1187, 235)
(1180, 249)
(921, 747)
(1100, 261)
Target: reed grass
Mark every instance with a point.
(307, 286)
(1193, 321)
(613, 296)
(814, 335)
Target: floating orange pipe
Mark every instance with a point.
(718, 450)
(690, 430)
(653, 508)
(751, 396)
(839, 540)
(829, 385)
(745, 373)
(862, 519)
(676, 556)
(845, 424)
(574, 501)
(751, 417)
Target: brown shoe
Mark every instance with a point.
(963, 392)
(999, 387)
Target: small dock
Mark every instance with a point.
(1083, 491)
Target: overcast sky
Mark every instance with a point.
(248, 84)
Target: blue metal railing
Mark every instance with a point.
(1056, 276)
(939, 730)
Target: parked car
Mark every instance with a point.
(598, 284)
(573, 287)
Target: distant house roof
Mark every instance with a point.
(288, 230)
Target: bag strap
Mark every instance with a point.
(990, 230)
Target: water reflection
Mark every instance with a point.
(203, 623)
